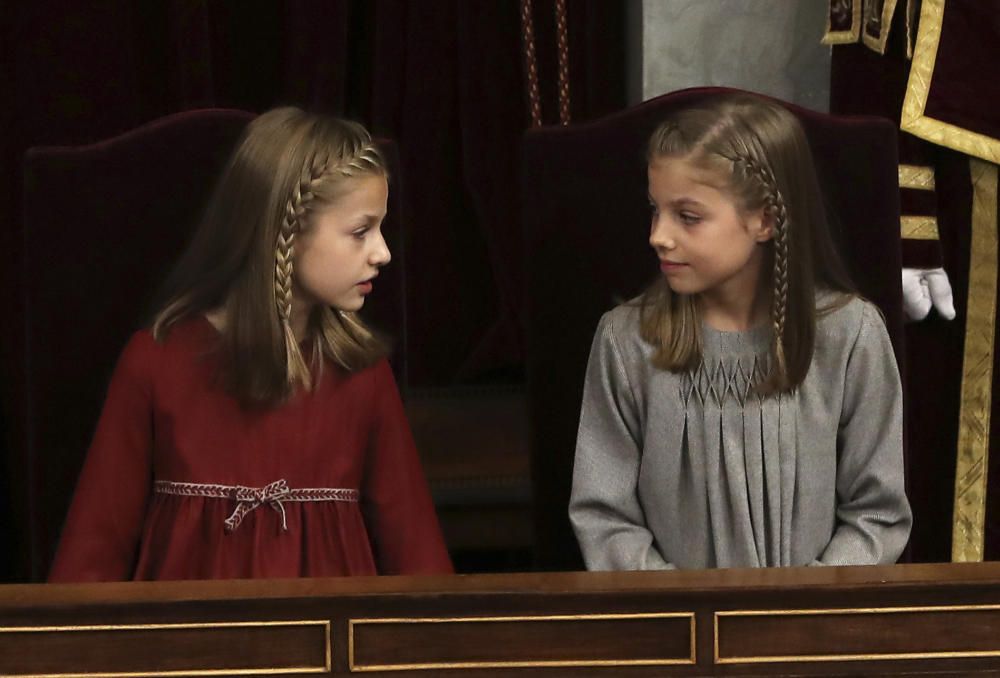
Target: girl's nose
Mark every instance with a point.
(660, 236)
(381, 255)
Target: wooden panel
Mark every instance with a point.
(857, 634)
(907, 620)
(492, 642)
(231, 648)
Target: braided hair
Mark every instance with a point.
(288, 165)
(760, 150)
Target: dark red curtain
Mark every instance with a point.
(444, 78)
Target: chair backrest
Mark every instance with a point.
(103, 225)
(586, 221)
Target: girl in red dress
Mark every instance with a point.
(255, 430)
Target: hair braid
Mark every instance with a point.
(291, 223)
(362, 159)
(774, 204)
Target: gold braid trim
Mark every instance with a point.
(967, 539)
(851, 35)
(918, 177)
(918, 228)
(878, 43)
(918, 88)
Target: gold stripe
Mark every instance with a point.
(916, 176)
(878, 44)
(977, 370)
(844, 37)
(360, 668)
(910, 7)
(324, 624)
(918, 88)
(918, 228)
(718, 659)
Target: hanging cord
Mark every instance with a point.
(531, 63)
(562, 38)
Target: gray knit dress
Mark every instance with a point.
(694, 470)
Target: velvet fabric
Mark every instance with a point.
(104, 224)
(166, 419)
(586, 220)
(964, 87)
(962, 92)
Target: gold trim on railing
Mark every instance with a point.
(320, 623)
(918, 228)
(916, 176)
(354, 667)
(883, 656)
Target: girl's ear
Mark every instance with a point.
(761, 225)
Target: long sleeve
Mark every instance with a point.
(403, 527)
(604, 507)
(873, 515)
(103, 527)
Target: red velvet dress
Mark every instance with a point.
(167, 419)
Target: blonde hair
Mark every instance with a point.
(761, 152)
(288, 165)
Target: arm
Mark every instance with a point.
(402, 524)
(103, 527)
(604, 507)
(873, 515)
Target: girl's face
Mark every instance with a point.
(707, 245)
(340, 251)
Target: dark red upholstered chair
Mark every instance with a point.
(103, 225)
(586, 221)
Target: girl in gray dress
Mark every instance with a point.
(746, 410)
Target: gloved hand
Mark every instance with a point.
(924, 287)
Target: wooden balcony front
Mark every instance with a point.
(901, 620)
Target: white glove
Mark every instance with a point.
(923, 287)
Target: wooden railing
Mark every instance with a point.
(901, 620)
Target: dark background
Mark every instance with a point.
(443, 78)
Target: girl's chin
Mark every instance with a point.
(349, 305)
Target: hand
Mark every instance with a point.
(924, 287)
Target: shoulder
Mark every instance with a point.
(373, 380)
(380, 372)
(188, 339)
(135, 362)
(194, 333)
(843, 316)
(622, 322)
(847, 322)
(618, 334)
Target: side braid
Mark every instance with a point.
(295, 209)
(774, 204)
(364, 159)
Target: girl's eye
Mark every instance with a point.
(689, 219)
(360, 233)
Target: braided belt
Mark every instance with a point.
(249, 498)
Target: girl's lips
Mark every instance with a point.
(365, 287)
(671, 266)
